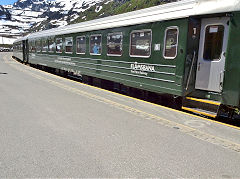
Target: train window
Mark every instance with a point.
(213, 42)
(38, 45)
(44, 45)
(171, 43)
(114, 44)
(81, 45)
(95, 44)
(51, 45)
(68, 44)
(33, 47)
(59, 45)
(30, 46)
(20, 47)
(140, 43)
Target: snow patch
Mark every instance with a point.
(98, 8)
(101, 14)
(6, 40)
(108, 2)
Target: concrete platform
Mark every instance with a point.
(55, 127)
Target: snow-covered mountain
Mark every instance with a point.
(35, 15)
(26, 16)
(62, 12)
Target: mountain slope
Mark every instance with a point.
(26, 16)
(115, 7)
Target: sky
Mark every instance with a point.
(6, 2)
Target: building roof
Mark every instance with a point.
(175, 10)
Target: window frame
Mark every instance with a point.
(85, 44)
(114, 55)
(90, 44)
(68, 46)
(60, 38)
(130, 42)
(164, 44)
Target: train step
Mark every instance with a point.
(201, 106)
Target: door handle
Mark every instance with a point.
(221, 80)
(224, 54)
(199, 66)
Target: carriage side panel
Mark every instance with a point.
(231, 88)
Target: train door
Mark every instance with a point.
(211, 55)
(23, 50)
(26, 50)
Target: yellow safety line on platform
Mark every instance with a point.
(165, 122)
(199, 112)
(164, 107)
(204, 101)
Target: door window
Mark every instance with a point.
(213, 42)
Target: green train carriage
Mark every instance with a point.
(187, 49)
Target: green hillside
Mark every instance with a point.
(117, 7)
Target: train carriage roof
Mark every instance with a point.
(175, 10)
